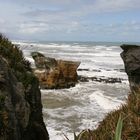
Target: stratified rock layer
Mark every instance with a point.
(131, 58)
(55, 74)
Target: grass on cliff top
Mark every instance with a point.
(130, 112)
(16, 61)
(13, 55)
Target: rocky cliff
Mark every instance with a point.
(131, 58)
(55, 74)
(20, 98)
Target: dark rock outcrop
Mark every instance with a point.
(55, 74)
(100, 79)
(20, 98)
(131, 58)
(14, 109)
(20, 114)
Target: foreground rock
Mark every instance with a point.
(55, 74)
(131, 58)
(20, 98)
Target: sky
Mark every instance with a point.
(71, 20)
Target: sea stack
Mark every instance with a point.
(55, 74)
(131, 58)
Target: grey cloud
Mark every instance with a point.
(77, 12)
(59, 17)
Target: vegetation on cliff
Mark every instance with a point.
(16, 61)
(20, 98)
(13, 55)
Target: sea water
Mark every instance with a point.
(66, 111)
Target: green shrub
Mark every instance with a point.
(16, 61)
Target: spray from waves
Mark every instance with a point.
(106, 102)
(81, 107)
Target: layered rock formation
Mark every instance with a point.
(131, 58)
(20, 97)
(55, 74)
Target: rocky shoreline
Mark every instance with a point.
(103, 79)
(20, 97)
(100, 79)
(58, 74)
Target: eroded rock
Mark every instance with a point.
(131, 58)
(55, 74)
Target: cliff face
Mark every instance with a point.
(20, 98)
(55, 74)
(131, 58)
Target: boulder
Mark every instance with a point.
(131, 58)
(55, 74)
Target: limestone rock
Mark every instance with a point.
(131, 58)
(55, 74)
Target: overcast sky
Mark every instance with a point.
(71, 20)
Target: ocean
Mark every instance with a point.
(66, 111)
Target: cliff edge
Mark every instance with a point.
(20, 98)
(131, 58)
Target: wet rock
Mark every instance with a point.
(120, 70)
(83, 70)
(131, 58)
(55, 74)
(95, 70)
(100, 79)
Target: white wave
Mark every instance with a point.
(103, 74)
(106, 102)
(59, 135)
